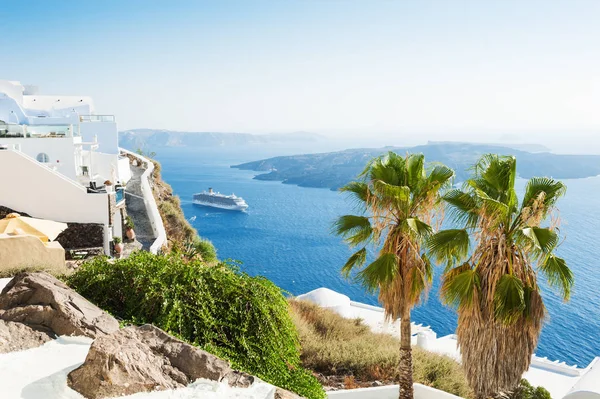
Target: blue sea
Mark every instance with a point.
(286, 236)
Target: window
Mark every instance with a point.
(43, 157)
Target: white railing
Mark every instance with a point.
(390, 392)
(151, 207)
(96, 118)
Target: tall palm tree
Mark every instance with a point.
(398, 200)
(494, 283)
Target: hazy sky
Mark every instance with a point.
(324, 66)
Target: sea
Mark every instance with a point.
(286, 236)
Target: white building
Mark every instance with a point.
(56, 148)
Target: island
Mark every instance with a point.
(334, 169)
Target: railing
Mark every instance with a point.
(151, 207)
(38, 131)
(96, 118)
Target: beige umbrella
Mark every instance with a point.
(45, 230)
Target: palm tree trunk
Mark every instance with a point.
(405, 369)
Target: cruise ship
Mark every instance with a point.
(218, 200)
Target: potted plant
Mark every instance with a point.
(129, 225)
(118, 245)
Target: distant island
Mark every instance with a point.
(156, 138)
(334, 169)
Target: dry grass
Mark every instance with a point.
(332, 345)
(13, 271)
(176, 225)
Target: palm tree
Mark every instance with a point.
(398, 200)
(494, 284)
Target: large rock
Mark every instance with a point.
(142, 359)
(18, 337)
(45, 304)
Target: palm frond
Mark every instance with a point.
(509, 299)
(357, 259)
(440, 176)
(385, 170)
(559, 275)
(418, 284)
(460, 286)
(355, 229)
(449, 246)
(359, 190)
(415, 168)
(463, 207)
(380, 273)
(427, 268)
(552, 190)
(418, 228)
(391, 194)
(542, 241)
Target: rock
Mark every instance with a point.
(283, 394)
(376, 384)
(18, 337)
(142, 359)
(239, 379)
(44, 303)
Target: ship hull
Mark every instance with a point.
(240, 208)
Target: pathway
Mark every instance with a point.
(136, 209)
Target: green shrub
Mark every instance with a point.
(235, 316)
(333, 345)
(526, 391)
(197, 248)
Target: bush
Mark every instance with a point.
(198, 249)
(235, 316)
(333, 345)
(526, 391)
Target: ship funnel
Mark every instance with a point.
(210, 190)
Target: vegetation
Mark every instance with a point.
(241, 318)
(398, 200)
(129, 223)
(335, 346)
(117, 240)
(494, 283)
(526, 391)
(13, 271)
(178, 229)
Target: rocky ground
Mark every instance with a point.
(36, 308)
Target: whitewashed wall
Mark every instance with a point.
(124, 170)
(106, 132)
(389, 392)
(151, 208)
(30, 187)
(61, 151)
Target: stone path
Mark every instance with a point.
(136, 209)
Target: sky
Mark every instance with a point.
(494, 70)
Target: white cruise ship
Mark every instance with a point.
(218, 200)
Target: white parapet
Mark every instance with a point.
(151, 207)
(390, 392)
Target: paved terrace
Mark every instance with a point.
(136, 208)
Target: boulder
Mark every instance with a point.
(145, 358)
(18, 337)
(142, 359)
(43, 303)
(283, 394)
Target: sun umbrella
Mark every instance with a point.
(45, 230)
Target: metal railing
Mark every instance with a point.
(96, 118)
(38, 131)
